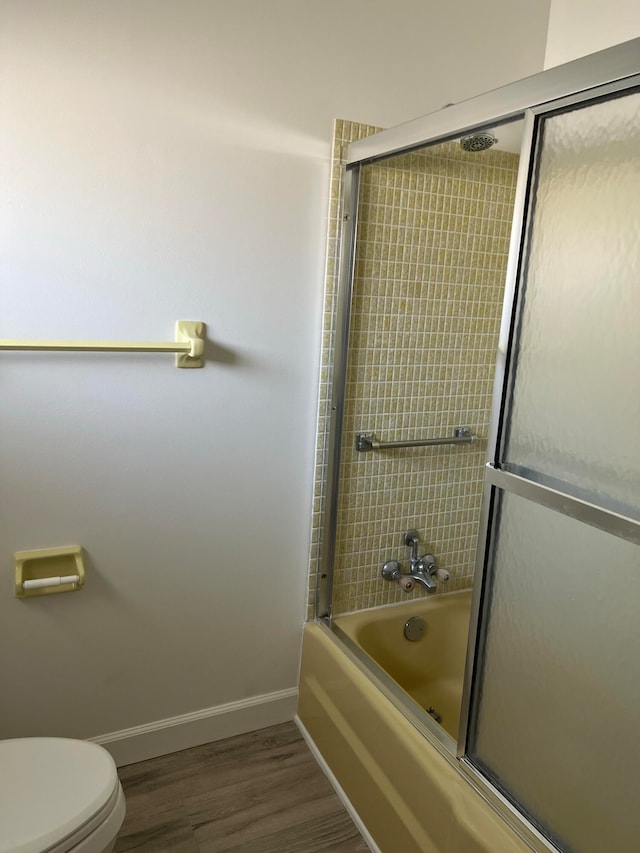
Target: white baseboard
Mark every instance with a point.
(337, 787)
(175, 733)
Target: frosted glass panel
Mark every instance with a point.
(576, 406)
(556, 724)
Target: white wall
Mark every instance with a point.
(580, 27)
(164, 161)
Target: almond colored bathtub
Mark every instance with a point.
(401, 783)
(430, 669)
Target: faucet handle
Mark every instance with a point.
(429, 563)
(391, 570)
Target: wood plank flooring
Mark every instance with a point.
(260, 792)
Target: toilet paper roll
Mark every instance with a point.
(43, 583)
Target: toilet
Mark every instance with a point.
(58, 796)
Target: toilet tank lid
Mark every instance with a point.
(49, 788)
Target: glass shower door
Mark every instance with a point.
(555, 698)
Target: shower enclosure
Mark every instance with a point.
(552, 685)
(428, 286)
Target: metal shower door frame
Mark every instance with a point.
(510, 103)
(519, 482)
(600, 74)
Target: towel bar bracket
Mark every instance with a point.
(192, 333)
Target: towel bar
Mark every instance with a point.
(188, 345)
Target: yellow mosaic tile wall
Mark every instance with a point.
(343, 133)
(432, 250)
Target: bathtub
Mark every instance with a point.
(430, 669)
(364, 696)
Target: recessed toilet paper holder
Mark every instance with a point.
(48, 570)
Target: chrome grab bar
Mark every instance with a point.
(366, 441)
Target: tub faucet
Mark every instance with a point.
(422, 568)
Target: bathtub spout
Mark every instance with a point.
(423, 578)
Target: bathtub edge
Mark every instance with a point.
(337, 787)
(408, 798)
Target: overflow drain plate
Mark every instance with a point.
(414, 629)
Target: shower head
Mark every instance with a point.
(479, 141)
